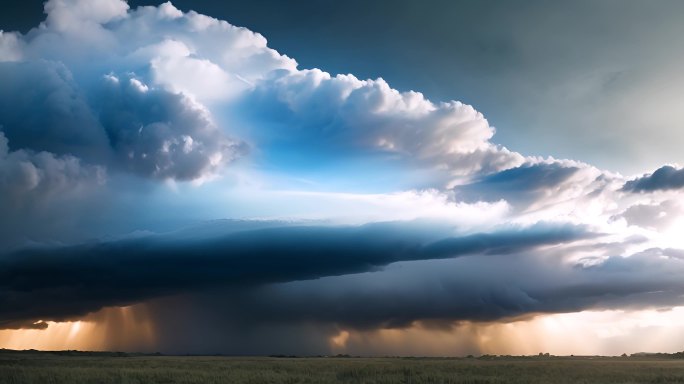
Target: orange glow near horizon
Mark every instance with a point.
(110, 329)
(582, 333)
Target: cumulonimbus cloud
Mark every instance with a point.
(192, 62)
(165, 95)
(101, 96)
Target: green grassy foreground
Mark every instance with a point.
(46, 368)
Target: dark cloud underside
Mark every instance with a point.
(47, 282)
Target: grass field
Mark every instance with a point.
(43, 368)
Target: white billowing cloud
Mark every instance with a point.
(170, 63)
(654, 216)
(217, 64)
(195, 53)
(76, 28)
(176, 66)
(10, 46)
(200, 77)
(347, 114)
(156, 92)
(72, 15)
(539, 184)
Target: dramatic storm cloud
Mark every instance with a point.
(172, 165)
(49, 282)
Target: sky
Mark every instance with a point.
(433, 178)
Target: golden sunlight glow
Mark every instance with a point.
(581, 333)
(111, 329)
(339, 341)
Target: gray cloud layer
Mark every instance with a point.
(664, 178)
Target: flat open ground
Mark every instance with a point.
(46, 368)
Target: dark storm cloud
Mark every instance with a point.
(40, 194)
(43, 109)
(31, 181)
(60, 282)
(276, 318)
(664, 178)
(23, 324)
(464, 289)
